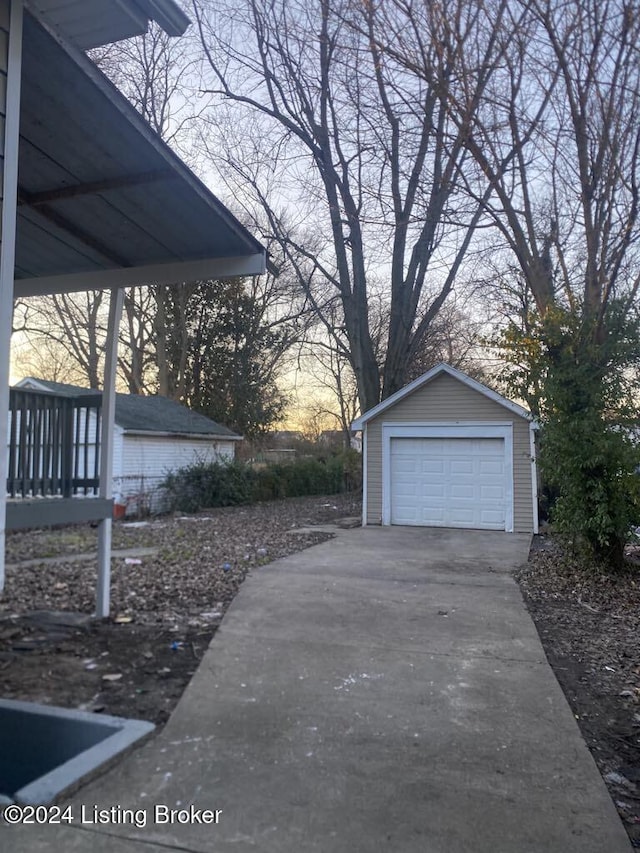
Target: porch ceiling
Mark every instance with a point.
(98, 191)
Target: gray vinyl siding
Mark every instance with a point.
(448, 400)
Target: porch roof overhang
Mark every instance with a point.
(102, 201)
(90, 23)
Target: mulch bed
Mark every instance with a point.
(587, 620)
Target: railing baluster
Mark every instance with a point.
(13, 415)
(22, 451)
(97, 446)
(67, 449)
(46, 449)
(50, 444)
(85, 470)
(37, 448)
(75, 471)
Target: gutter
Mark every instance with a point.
(196, 435)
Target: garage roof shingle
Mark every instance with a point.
(152, 414)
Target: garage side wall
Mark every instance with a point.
(145, 461)
(448, 400)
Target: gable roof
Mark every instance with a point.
(135, 413)
(438, 370)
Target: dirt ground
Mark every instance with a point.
(588, 624)
(168, 598)
(174, 577)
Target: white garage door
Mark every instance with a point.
(448, 482)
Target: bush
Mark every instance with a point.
(583, 374)
(208, 485)
(205, 485)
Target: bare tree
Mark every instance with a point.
(45, 360)
(566, 99)
(73, 324)
(158, 75)
(455, 337)
(330, 387)
(360, 146)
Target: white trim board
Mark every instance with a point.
(365, 465)
(167, 273)
(439, 429)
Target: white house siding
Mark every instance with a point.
(447, 399)
(141, 463)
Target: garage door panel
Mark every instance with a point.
(456, 446)
(492, 518)
(491, 493)
(461, 466)
(462, 517)
(491, 466)
(433, 517)
(405, 464)
(463, 491)
(407, 495)
(433, 492)
(452, 482)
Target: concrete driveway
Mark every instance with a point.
(383, 691)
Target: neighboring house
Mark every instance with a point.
(152, 436)
(446, 451)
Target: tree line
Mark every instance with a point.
(402, 154)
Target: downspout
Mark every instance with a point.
(8, 247)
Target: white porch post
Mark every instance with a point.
(8, 246)
(106, 451)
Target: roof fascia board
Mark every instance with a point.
(171, 273)
(134, 12)
(168, 15)
(200, 436)
(32, 385)
(359, 423)
(130, 114)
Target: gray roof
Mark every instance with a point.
(135, 413)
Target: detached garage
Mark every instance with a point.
(446, 451)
